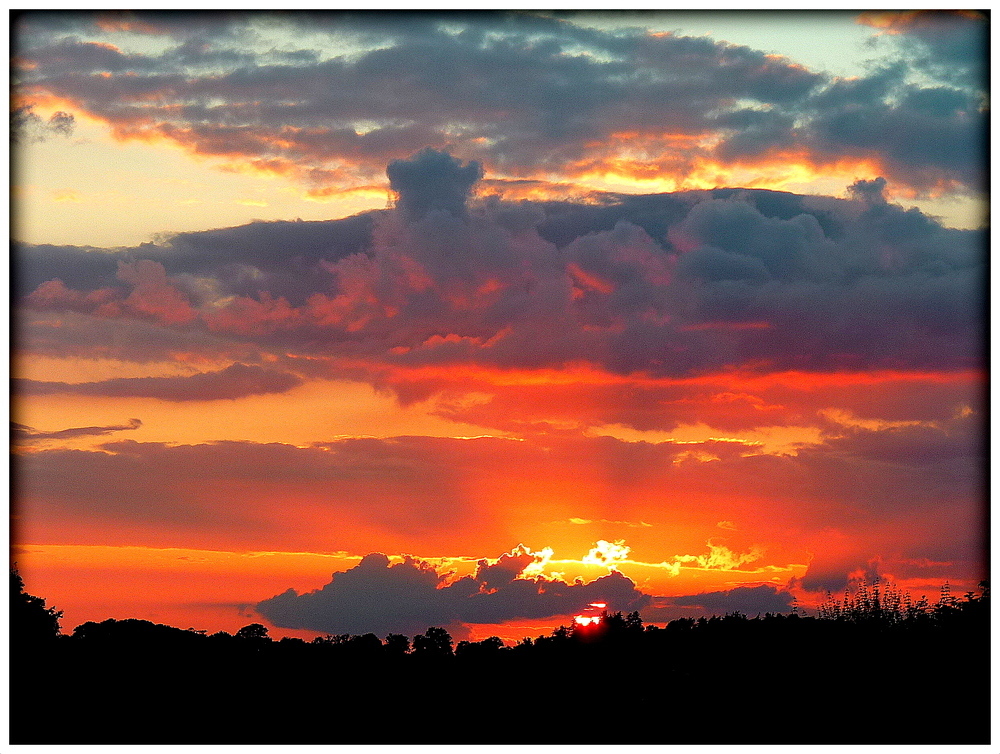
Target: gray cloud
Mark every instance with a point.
(948, 45)
(236, 381)
(415, 490)
(522, 93)
(750, 600)
(23, 433)
(674, 284)
(26, 125)
(872, 192)
(407, 597)
(432, 181)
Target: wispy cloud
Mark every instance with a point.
(21, 433)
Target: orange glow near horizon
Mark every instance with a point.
(95, 582)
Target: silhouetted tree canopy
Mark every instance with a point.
(253, 632)
(711, 680)
(397, 645)
(435, 642)
(30, 620)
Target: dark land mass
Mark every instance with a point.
(872, 669)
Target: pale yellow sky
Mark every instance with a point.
(90, 190)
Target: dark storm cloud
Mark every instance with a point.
(885, 281)
(523, 93)
(952, 445)
(22, 433)
(871, 192)
(153, 501)
(407, 597)
(236, 381)
(78, 267)
(949, 501)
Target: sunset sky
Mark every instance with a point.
(372, 322)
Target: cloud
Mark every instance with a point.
(938, 133)
(27, 126)
(950, 45)
(849, 498)
(194, 487)
(631, 524)
(872, 192)
(66, 332)
(689, 322)
(379, 597)
(235, 381)
(432, 180)
(721, 557)
(750, 600)
(779, 281)
(528, 96)
(23, 434)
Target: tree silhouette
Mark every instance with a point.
(30, 620)
(435, 642)
(143, 672)
(479, 650)
(397, 645)
(254, 632)
(633, 622)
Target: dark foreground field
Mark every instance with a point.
(860, 676)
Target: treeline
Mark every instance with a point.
(872, 668)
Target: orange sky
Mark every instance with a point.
(657, 290)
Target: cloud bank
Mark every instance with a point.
(407, 597)
(529, 95)
(673, 285)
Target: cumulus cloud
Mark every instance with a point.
(379, 597)
(872, 192)
(432, 180)
(674, 285)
